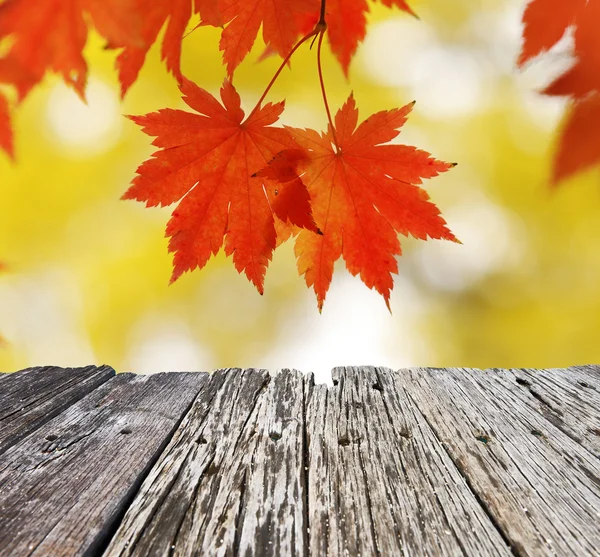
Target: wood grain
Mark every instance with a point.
(540, 486)
(416, 462)
(569, 398)
(379, 482)
(64, 487)
(231, 480)
(31, 397)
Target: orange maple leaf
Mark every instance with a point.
(347, 26)
(280, 24)
(176, 14)
(207, 160)
(584, 76)
(6, 140)
(545, 22)
(52, 34)
(209, 11)
(362, 193)
(579, 143)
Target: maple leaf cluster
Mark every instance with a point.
(545, 23)
(49, 35)
(243, 183)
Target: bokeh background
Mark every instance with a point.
(87, 278)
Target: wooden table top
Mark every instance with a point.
(421, 461)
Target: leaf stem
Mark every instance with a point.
(322, 16)
(322, 83)
(280, 69)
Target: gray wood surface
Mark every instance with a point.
(379, 482)
(415, 462)
(31, 397)
(231, 482)
(64, 487)
(540, 485)
(367, 486)
(569, 398)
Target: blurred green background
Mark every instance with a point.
(88, 274)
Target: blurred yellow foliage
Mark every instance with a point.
(87, 278)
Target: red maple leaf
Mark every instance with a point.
(347, 26)
(545, 22)
(584, 77)
(362, 193)
(6, 140)
(52, 34)
(176, 14)
(280, 20)
(579, 144)
(207, 162)
(209, 11)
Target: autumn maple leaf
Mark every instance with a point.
(544, 24)
(579, 143)
(280, 25)
(52, 34)
(6, 140)
(176, 14)
(347, 26)
(584, 76)
(207, 160)
(363, 192)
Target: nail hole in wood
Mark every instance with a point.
(335, 382)
(523, 382)
(584, 384)
(275, 436)
(405, 433)
(344, 441)
(378, 387)
(482, 438)
(125, 431)
(212, 470)
(201, 440)
(537, 433)
(51, 437)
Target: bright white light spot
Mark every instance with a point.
(41, 317)
(389, 48)
(301, 116)
(162, 344)
(354, 329)
(492, 240)
(449, 83)
(445, 79)
(84, 129)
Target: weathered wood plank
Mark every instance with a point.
(569, 398)
(274, 511)
(64, 487)
(231, 482)
(379, 482)
(541, 487)
(31, 397)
